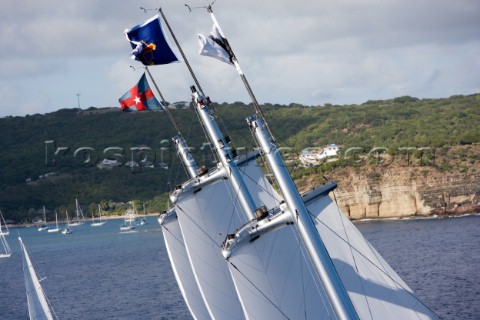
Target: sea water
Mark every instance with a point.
(101, 273)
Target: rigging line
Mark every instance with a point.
(258, 289)
(172, 119)
(261, 187)
(181, 52)
(174, 236)
(199, 227)
(52, 310)
(313, 274)
(192, 119)
(235, 61)
(266, 166)
(164, 102)
(303, 286)
(234, 197)
(353, 256)
(370, 261)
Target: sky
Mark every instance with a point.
(64, 54)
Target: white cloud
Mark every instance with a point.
(311, 52)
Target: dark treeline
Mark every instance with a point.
(49, 160)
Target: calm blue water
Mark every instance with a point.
(99, 273)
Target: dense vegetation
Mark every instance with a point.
(52, 159)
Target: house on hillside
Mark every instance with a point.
(311, 157)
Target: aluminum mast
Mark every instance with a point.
(325, 269)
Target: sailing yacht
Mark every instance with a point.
(127, 225)
(100, 222)
(56, 229)
(129, 219)
(38, 306)
(144, 220)
(67, 230)
(3, 231)
(131, 214)
(79, 220)
(241, 249)
(7, 252)
(44, 226)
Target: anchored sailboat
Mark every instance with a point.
(7, 252)
(100, 222)
(44, 226)
(56, 229)
(38, 306)
(80, 219)
(129, 219)
(241, 250)
(3, 230)
(67, 230)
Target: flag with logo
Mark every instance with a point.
(140, 98)
(150, 44)
(215, 46)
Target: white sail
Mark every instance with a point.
(56, 229)
(3, 230)
(44, 226)
(100, 222)
(206, 216)
(273, 278)
(301, 259)
(38, 307)
(6, 248)
(80, 219)
(182, 269)
(213, 210)
(373, 286)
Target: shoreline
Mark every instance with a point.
(414, 217)
(63, 222)
(393, 218)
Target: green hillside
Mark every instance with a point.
(52, 159)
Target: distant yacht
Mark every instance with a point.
(66, 230)
(100, 222)
(56, 229)
(44, 226)
(5, 231)
(6, 253)
(80, 219)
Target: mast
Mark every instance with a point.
(225, 154)
(324, 267)
(216, 137)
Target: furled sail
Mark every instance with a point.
(37, 302)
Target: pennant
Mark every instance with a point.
(140, 98)
(214, 46)
(150, 44)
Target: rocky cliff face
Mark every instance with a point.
(405, 191)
